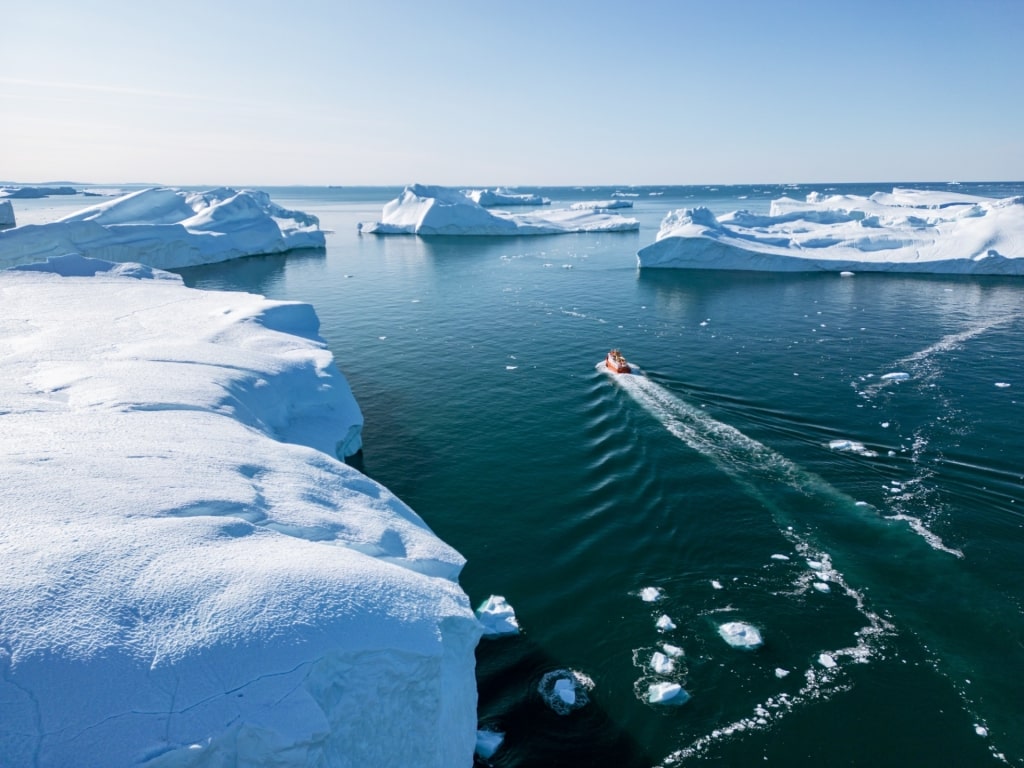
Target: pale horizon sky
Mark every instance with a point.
(536, 92)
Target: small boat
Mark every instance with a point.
(616, 363)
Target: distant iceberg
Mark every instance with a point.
(430, 210)
(167, 228)
(6, 214)
(601, 205)
(501, 196)
(190, 575)
(903, 231)
(30, 192)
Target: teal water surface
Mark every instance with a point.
(722, 476)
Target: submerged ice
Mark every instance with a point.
(905, 230)
(192, 576)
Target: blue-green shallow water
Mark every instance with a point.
(568, 491)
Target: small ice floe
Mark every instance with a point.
(667, 693)
(851, 446)
(497, 617)
(780, 672)
(827, 660)
(565, 690)
(672, 650)
(739, 634)
(895, 376)
(780, 557)
(821, 586)
(815, 565)
(665, 624)
(981, 730)
(650, 594)
(1002, 384)
(487, 743)
(844, 273)
(662, 664)
(716, 584)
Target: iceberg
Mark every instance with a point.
(432, 210)
(501, 196)
(29, 192)
(497, 617)
(603, 205)
(906, 230)
(191, 575)
(667, 693)
(167, 228)
(739, 634)
(662, 663)
(6, 214)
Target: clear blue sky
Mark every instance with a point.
(474, 92)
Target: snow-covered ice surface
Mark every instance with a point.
(167, 228)
(432, 210)
(6, 214)
(902, 231)
(190, 575)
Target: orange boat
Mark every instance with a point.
(616, 363)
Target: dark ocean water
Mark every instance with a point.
(720, 477)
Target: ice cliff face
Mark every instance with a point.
(191, 576)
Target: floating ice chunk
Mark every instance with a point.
(487, 743)
(662, 664)
(780, 557)
(981, 730)
(895, 376)
(815, 565)
(665, 624)
(716, 584)
(851, 446)
(821, 586)
(739, 634)
(1002, 384)
(667, 693)
(672, 650)
(565, 690)
(845, 273)
(780, 672)
(650, 594)
(497, 617)
(827, 660)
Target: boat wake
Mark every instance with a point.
(819, 518)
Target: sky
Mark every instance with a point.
(532, 92)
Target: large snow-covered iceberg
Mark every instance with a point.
(906, 230)
(500, 196)
(167, 228)
(431, 210)
(190, 575)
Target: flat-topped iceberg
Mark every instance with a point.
(32, 192)
(603, 205)
(906, 230)
(501, 196)
(167, 228)
(190, 575)
(430, 210)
